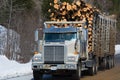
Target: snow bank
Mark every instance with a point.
(117, 49)
(2, 29)
(9, 68)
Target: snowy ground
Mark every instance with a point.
(25, 77)
(9, 69)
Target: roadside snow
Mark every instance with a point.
(117, 49)
(9, 68)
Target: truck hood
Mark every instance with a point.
(69, 45)
(70, 42)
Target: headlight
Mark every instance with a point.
(71, 59)
(38, 59)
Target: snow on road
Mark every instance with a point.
(26, 77)
(9, 68)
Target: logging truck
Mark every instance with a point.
(70, 47)
(77, 38)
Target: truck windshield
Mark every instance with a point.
(59, 37)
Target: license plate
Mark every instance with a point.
(53, 68)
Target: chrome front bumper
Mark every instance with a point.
(40, 66)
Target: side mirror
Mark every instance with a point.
(36, 35)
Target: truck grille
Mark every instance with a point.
(53, 54)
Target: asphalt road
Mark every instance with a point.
(112, 74)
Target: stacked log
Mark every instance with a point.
(76, 11)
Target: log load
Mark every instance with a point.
(76, 11)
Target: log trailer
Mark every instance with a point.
(71, 47)
(77, 38)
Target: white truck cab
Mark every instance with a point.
(61, 49)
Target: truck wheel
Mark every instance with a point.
(77, 75)
(113, 64)
(109, 63)
(105, 64)
(92, 70)
(96, 69)
(37, 75)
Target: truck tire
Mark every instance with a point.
(109, 63)
(77, 75)
(96, 69)
(92, 70)
(113, 63)
(37, 75)
(105, 63)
